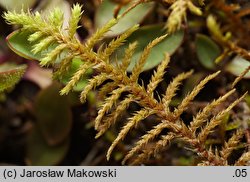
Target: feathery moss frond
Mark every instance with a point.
(140, 115)
(216, 120)
(139, 65)
(232, 144)
(63, 67)
(240, 77)
(50, 57)
(164, 141)
(178, 14)
(56, 18)
(108, 103)
(93, 83)
(173, 87)
(243, 160)
(201, 117)
(106, 89)
(224, 40)
(28, 21)
(35, 36)
(129, 52)
(76, 78)
(111, 119)
(215, 28)
(76, 13)
(186, 101)
(158, 74)
(116, 43)
(45, 33)
(42, 45)
(160, 145)
(97, 36)
(145, 139)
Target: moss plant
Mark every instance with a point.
(48, 32)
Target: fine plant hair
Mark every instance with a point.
(114, 82)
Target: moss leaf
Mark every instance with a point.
(53, 114)
(207, 51)
(105, 13)
(10, 74)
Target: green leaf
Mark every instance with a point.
(10, 74)
(105, 13)
(207, 51)
(144, 36)
(39, 153)
(53, 114)
(14, 5)
(18, 42)
(237, 66)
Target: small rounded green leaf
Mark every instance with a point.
(39, 153)
(237, 66)
(144, 36)
(105, 13)
(53, 114)
(207, 51)
(10, 74)
(18, 42)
